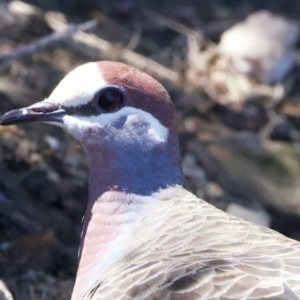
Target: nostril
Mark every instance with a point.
(44, 107)
(38, 109)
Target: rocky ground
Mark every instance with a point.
(241, 155)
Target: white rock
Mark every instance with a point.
(52, 142)
(262, 46)
(22, 9)
(259, 217)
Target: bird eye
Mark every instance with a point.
(110, 100)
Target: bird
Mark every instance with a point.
(145, 236)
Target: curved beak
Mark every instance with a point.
(39, 112)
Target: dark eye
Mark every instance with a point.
(111, 100)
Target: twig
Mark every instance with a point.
(4, 292)
(171, 24)
(274, 120)
(32, 292)
(135, 39)
(94, 46)
(195, 39)
(46, 41)
(45, 292)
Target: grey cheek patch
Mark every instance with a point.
(120, 122)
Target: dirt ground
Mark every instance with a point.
(234, 157)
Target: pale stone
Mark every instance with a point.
(262, 46)
(260, 217)
(22, 9)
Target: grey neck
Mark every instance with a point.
(133, 168)
(126, 168)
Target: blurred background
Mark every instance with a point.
(232, 70)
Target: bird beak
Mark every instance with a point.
(39, 112)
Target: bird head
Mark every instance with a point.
(103, 99)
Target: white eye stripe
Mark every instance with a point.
(78, 89)
(156, 130)
(79, 86)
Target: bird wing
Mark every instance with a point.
(190, 250)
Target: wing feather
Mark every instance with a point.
(189, 250)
